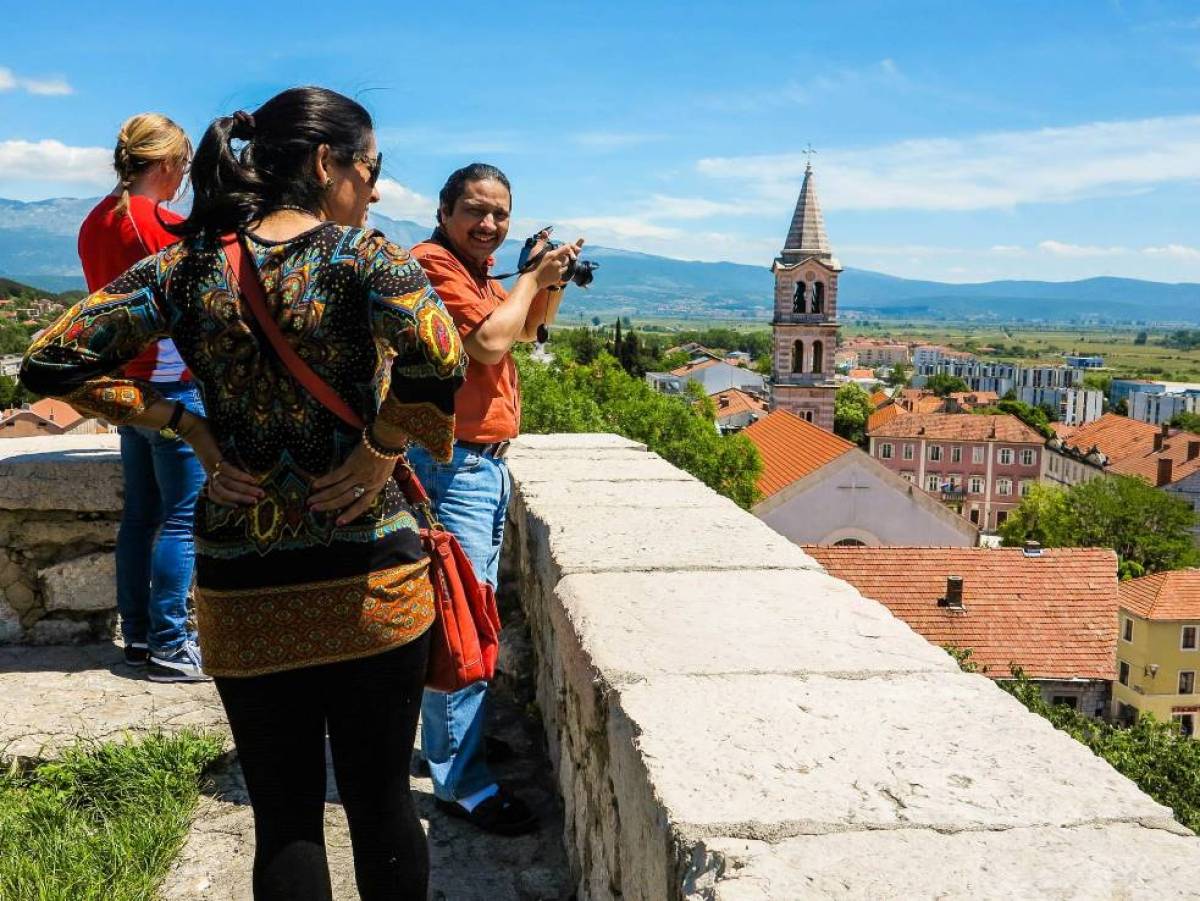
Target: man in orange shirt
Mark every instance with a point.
(470, 493)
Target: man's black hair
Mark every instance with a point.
(456, 184)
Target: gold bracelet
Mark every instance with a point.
(378, 450)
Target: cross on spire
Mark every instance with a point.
(809, 152)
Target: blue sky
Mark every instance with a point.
(957, 141)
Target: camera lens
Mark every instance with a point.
(582, 275)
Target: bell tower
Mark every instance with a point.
(805, 321)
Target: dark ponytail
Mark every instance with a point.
(231, 187)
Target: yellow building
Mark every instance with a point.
(1158, 649)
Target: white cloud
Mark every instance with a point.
(618, 227)
(1060, 249)
(1008, 250)
(9, 81)
(612, 140)
(830, 84)
(53, 161)
(1177, 251)
(399, 202)
(662, 206)
(998, 170)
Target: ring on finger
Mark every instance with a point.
(359, 491)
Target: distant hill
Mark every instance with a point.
(37, 247)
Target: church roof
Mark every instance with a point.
(791, 449)
(806, 237)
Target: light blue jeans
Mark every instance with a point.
(155, 549)
(470, 495)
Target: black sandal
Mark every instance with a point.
(501, 814)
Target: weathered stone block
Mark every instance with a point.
(59, 631)
(814, 754)
(65, 472)
(67, 532)
(85, 583)
(1118, 860)
(20, 597)
(736, 621)
(11, 629)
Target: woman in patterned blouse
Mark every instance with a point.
(313, 599)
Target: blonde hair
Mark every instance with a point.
(146, 139)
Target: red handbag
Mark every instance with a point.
(465, 641)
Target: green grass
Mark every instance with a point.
(102, 822)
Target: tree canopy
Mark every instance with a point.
(1149, 529)
(942, 384)
(599, 396)
(1189, 422)
(852, 408)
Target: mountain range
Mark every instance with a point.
(37, 246)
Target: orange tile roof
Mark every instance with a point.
(737, 401)
(791, 449)
(884, 415)
(1062, 430)
(978, 398)
(1055, 615)
(879, 398)
(1167, 595)
(60, 413)
(1129, 446)
(862, 373)
(689, 368)
(959, 427)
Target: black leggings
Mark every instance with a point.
(279, 721)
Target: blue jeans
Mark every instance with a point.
(470, 495)
(155, 550)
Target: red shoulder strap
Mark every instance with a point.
(250, 287)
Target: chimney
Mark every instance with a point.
(1164, 472)
(1165, 431)
(1032, 549)
(954, 593)
(1158, 442)
(1193, 450)
(723, 400)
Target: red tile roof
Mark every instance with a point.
(56, 411)
(862, 373)
(736, 401)
(1129, 446)
(689, 368)
(959, 427)
(791, 449)
(1166, 595)
(1055, 615)
(884, 415)
(879, 398)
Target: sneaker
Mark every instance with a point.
(181, 665)
(136, 653)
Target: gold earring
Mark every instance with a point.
(328, 182)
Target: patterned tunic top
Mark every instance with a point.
(279, 586)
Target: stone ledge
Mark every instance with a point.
(1080, 864)
(729, 723)
(64, 472)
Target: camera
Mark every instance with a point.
(578, 271)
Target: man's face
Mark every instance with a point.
(478, 224)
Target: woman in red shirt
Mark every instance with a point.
(163, 478)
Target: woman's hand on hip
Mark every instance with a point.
(353, 486)
(227, 485)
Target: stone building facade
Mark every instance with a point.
(805, 321)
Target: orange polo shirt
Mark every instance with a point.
(487, 407)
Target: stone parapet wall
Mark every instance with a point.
(60, 501)
(729, 723)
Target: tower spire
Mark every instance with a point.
(806, 237)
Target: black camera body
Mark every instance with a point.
(578, 271)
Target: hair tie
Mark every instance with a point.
(243, 126)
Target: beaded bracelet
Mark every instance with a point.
(379, 450)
